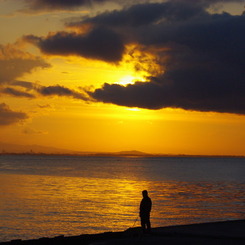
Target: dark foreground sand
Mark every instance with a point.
(220, 233)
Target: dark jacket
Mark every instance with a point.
(145, 206)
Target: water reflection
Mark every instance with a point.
(48, 195)
(36, 205)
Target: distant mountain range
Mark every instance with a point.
(123, 153)
(6, 148)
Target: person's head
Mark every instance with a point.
(144, 193)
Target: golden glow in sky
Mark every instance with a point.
(85, 78)
(128, 79)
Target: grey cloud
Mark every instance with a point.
(100, 43)
(8, 116)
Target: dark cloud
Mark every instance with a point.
(204, 96)
(16, 93)
(8, 117)
(202, 55)
(54, 5)
(144, 14)
(60, 4)
(60, 91)
(136, 14)
(100, 43)
(72, 4)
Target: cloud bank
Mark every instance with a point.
(201, 54)
(99, 43)
(72, 4)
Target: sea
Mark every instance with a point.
(52, 195)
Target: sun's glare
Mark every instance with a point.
(133, 109)
(129, 79)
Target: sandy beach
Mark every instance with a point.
(225, 232)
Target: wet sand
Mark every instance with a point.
(222, 233)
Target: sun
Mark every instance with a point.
(129, 79)
(125, 80)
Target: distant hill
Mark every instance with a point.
(132, 153)
(115, 154)
(6, 148)
(38, 149)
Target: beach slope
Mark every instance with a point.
(225, 233)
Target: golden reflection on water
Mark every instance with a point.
(70, 205)
(53, 205)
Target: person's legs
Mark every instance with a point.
(143, 224)
(148, 224)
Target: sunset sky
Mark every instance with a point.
(104, 76)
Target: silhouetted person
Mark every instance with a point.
(145, 209)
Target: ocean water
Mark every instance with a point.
(46, 196)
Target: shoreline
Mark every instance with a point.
(222, 232)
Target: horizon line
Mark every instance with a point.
(120, 154)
